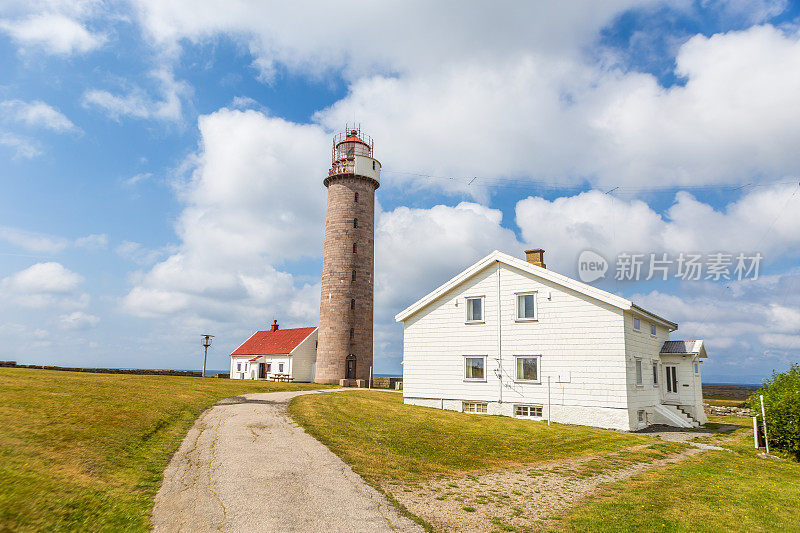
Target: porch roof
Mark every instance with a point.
(691, 347)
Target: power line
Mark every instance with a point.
(468, 181)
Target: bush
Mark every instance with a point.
(782, 403)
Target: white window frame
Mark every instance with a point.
(641, 417)
(538, 379)
(535, 306)
(653, 330)
(655, 373)
(529, 408)
(485, 369)
(475, 408)
(638, 372)
(238, 367)
(637, 324)
(467, 306)
(696, 368)
(280, 368)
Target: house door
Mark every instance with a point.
(262, 370)
(351, 368)
(671, 382)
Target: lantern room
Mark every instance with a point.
(352, 154)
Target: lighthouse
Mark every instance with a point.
(344, 351)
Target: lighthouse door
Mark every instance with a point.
(351, 367)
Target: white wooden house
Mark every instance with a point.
(509, 337)
(275, 353)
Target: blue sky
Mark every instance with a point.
(162, 163)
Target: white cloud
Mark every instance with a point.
(43, 278)
(137, 103)
(137, 178)
(134, 251)
(23, 147)
(766, 220)
(92, 242)
(435, 244)
(563, 121)
(254, 201)
(78, 320)
(52, 32)
(37, 114)
(421, 36)
(31, 241)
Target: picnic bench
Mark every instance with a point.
(281, 377)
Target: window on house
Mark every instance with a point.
(356, 198)
(475, 368)
(474, 407)
(474, 309)
(373, 165)
(534, 411)
(527, 368)
(526, 306)
(655, 373)
(352, 304)
(640, 415)
(280, 367)
(639, 372)
(238, 367)
(636, 324)
(353, 277)
(653, 330)
(269, 368)
(696, 368)
(354, 248)
(355, 222)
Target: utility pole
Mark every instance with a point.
(206, 343)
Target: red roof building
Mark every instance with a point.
(265, 352)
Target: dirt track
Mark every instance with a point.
(246, 466)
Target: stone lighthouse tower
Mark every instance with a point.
(344, 350)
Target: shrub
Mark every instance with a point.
(782, 404)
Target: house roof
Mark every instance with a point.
(693, 347)
(281, 341)
(543, 273)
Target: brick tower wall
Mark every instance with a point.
(336, 318)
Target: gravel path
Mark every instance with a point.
(517, 499)
(246, 466)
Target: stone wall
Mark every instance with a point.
(383, 382)
(720, 410)
(137, 371)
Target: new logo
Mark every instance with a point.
(591, 266)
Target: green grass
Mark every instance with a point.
(82, 451)
(712, 491)
(384, 439)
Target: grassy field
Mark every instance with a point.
(713, 491)
(384, 439)
(85, 451)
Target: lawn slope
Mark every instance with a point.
(83, 451)
(384, 439)
(712, 491)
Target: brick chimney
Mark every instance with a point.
(535, 257)
(274, 326)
